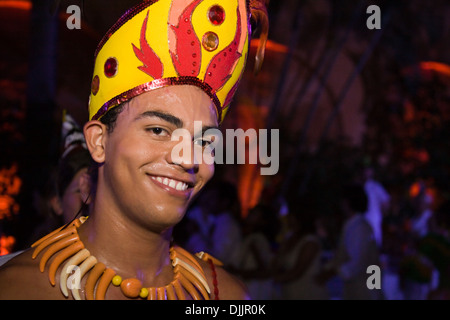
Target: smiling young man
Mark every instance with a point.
(148, 83)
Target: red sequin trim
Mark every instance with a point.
(156, 84)
(215, 282)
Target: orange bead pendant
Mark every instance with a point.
(131, 287)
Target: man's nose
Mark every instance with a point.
(183, 152)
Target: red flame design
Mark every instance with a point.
(231, 93)
(187, 59)
(220, 67)
(152, 64)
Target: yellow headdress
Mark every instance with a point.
(171, 42)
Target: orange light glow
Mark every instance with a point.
(23, 5)
(415, 189)
(6, 244)
(271, 46)
(441, 68)
(419, 188)
(10, 185)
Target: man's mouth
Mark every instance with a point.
(179, 188)
(172, 183)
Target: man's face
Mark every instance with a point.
(141, 176)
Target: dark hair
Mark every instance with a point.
(356, 197)
(109, 118)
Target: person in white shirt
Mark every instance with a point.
(356, 250)
(378, 204)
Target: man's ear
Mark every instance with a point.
(56, 205)
(95, 135)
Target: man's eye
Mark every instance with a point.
(157, 131)
(203, 142)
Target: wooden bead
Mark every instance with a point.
(103, 283)
(161, 293)
(143, 293)
(92, 279)
(152, 293)
(131, 287)
(116, 280)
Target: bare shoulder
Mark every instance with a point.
(20, 279)
(229, 286)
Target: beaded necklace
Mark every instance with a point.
(65, 243)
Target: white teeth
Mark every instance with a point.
(181, 186)
(178, 185)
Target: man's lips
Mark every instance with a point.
(173, 186)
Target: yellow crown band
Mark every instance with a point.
(160, 43)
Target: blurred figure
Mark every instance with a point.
(298, 260)
(422, 204)
(222, 202)
(194, 232)
(419, 275)
(256, 253)
(69, 187)
(282, 208)
(357, 249)
(378, 203)
(436, 246)
(215, 223)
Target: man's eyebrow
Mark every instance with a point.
(200, 134)
(205, 128)
(162, 115)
